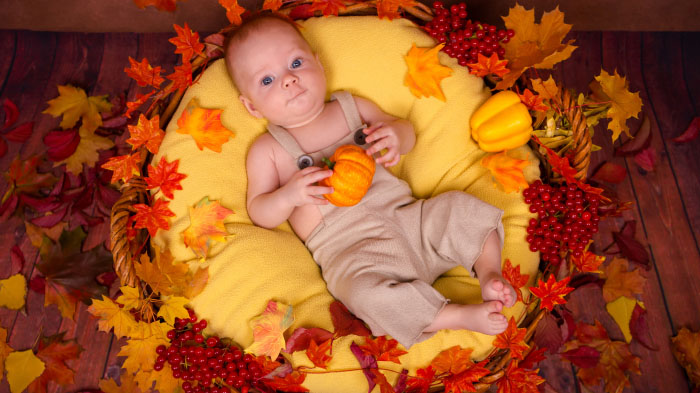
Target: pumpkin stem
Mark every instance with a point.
(328, 162)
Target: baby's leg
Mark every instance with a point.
(483, 318)
(488, 270)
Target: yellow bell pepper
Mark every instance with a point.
(501, 123)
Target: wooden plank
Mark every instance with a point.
(691, 62)
(8, 40)
(622, 52)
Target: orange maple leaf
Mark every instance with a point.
(328, 7)
(268, 329)
(588, 262)
(383, 349)
(206, 225)
(425, 72)
(422, 381)
(233, 11)
(124, 167)
(488, 65)
(133, 105)
(512, 338)
(507, 171)
(518, 380)
(187, 43)
(380, 379)
(54, 352)
(513, 276)
(464, 381)
(65, 300)
(204, 125)
(165, 176)
(272, 5)
(290, 383)
(453, 360)
(320, 355)
(390, 8)
(153, 218)
(146, 132)
(181, 76)
(686, 349)
(620, 282)
(551, 292)
(532, 101)
(162, 5)
(143, 73)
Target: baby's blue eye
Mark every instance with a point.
(266, 80)
(296, 63)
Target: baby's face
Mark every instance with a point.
(279, 76)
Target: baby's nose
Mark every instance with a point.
(290, 79)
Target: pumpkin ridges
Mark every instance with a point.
(352, 175)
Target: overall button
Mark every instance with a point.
(360, 137)
(304, 161)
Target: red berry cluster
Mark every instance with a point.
(464, 39)
(206, 365)
(567, 219)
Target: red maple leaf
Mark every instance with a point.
(513, 276)
(421, 382)
(551, 292)
(187, 43)
(518, 380)
(345, 323)
(454, 360)
(390, 8)
(233, 11)
(146, 132)
(320, 354)
(54, 352)
(513, 339)
(383, 349)
(124, 167)
(272, 5)
(143, 73)
(380, 379)
(163, 5)
(588, 262)
(328, 7)
(464, 381)
(133, 105)
(153, 218)
(182, 76)
(488, 65)
(290, 383)
(165, 176)
(533, 101)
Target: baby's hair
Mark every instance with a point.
(250, 25)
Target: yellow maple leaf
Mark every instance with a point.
(13, 291)
(141, 353)
(545, 89)
(173, 307)
(163, 275)
(204, 125)
(425, 72)
(164, 380)
(620, 282)
(206, 225)
(507, 171)
(197, 282)
(534, 45)
(86, 152)
(36, 234)
(23, 367)
(624, 104)
(268, 329)
(128, 384)
(5, 349)
(73, 104)
(111, 316)
(686, 350)
(130, 297)
(143, 330)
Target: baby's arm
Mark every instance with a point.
(269, 205)
(386, 131)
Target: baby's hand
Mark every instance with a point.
(384, 137)
(301, 190)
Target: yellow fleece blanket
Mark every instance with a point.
(365, 56)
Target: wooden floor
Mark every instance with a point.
(663, 67)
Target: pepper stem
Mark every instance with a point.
(328, 162)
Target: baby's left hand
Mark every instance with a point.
(383, 136)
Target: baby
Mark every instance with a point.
(380, 256)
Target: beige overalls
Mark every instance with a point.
(381, 256)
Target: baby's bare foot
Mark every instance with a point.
(495, 287)
(485, 317)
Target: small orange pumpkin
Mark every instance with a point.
(353, 171)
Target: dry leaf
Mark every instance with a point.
(206, 225)
(23, 367)
(507, 171)
(268, 329)
(163, 275)
(173, 307)
(621, 310)
(425, 72)
(187, 43)
(625, 104)
(74, 104)
(204, 125)
(146, 132)
(233, 11)
(620, 282)
(488, 66)
(13, 291)
(87, 151)
(143, 73)
(686, 349)
(5, 349)
(112, 316)
(512, 338)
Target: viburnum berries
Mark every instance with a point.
(206, 365)
(464, 39)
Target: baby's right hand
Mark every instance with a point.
(301, 190)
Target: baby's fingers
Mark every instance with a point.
(320, 190)
(317, 200)
(314, 177)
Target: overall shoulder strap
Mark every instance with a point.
(286, 140)
(352, 115)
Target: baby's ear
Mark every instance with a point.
(249, 106)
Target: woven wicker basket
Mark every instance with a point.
(125, 252)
